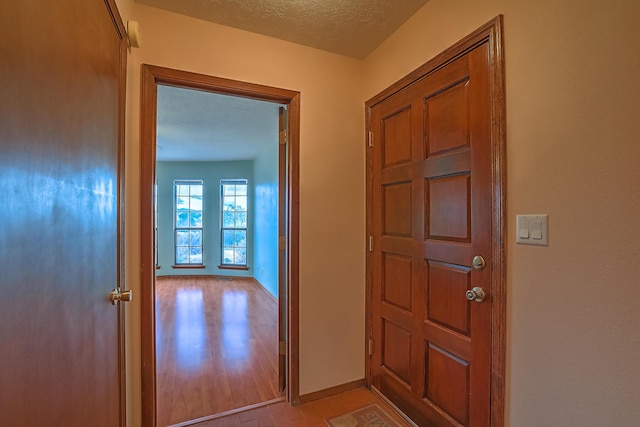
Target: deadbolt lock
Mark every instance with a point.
(479, 263)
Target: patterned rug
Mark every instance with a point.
(370, 416)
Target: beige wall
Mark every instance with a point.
(332, 178)
(573, 151)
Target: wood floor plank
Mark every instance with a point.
(216, 347)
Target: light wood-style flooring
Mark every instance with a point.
(216, 347)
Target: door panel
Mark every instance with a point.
(60, 119)
(445, 283)
(431, 213)
(397, 284)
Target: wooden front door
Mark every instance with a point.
(61, 100)
(431, 212)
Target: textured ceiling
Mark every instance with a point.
(352, 28)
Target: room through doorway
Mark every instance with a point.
(217, 253)
(224, 247)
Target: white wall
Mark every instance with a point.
(573, 151)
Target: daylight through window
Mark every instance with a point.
(234, 222)
(188, 221)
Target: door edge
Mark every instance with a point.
(118, 23)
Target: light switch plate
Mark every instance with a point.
(532, 229)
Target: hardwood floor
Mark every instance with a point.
(310, 414)
(216, 346)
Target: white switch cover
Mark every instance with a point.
(532, 229)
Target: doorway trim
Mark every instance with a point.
(492, 34)
(152, 76)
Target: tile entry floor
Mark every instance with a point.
(311, 414)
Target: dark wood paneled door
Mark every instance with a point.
(431, 214)
(61, 100)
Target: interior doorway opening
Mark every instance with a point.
(287, 225)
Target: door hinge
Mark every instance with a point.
(282, 243)
(370, 243)
(370, 139)
(370, 346)
(282, 348)
(283, 137)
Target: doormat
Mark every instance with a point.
(370, 416)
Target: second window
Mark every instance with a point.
(234, 222)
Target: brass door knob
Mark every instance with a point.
(118, 295)
(476, 294)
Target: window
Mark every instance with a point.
(188, 221)
(234, 222)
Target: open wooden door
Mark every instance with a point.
(282, 248)
(435, 237)
(61, 128)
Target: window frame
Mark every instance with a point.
(234, 265)
(189, 228)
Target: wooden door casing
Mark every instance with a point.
(434, 202)
(61, 129)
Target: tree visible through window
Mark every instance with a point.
(188, 221)
(234, 222)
